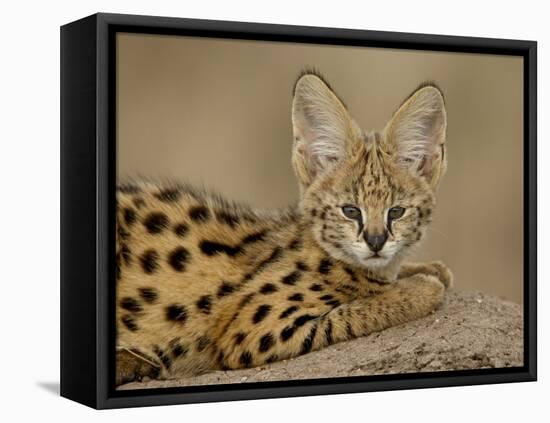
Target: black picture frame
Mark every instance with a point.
(88, 160)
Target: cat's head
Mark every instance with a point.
(367, 196)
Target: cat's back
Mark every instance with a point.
(173, 231)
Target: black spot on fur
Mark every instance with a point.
(324, 266)
(178, 258)
(202, 343)
(179, 350)
(177, 313)
(255, 237)
(225, 289)
(333, 303)
(302, 320)
(245, 359)
(129, 322)
(239, 338)
(291, 278)
(149, 261)
(301, 266)
(130, 304)
(308, 341)
(212, 248)
(261, 313)
(227, 218)
(288, 312)
(168, 195)
(204, 304)
(268, 288)
(181, 230)
(199, 214)
(295, 244)
(326, 298)
(129, 216)
(246, 299)
(266, 342)
(155, 222)
(149, 295)
(287, 332)
(316, 287)
(296, 297)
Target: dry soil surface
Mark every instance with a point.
(470, 331)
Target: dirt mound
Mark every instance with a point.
(470, 331)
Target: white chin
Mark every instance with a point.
(375, 261)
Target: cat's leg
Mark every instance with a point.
(434, 268)
(132, 365)
(313, 328)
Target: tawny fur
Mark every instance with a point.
(204, 284)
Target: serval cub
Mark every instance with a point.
(205, 284)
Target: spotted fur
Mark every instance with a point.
(205, 284)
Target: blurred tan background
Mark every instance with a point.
(217, 113)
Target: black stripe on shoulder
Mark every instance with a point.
(307, 345)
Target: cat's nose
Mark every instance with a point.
(375, 242)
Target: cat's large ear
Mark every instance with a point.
(416, 133)
(323, 128)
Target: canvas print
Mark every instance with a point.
(292, 211)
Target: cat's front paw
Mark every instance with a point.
(442, 272)
(432, 268)
(427, 291)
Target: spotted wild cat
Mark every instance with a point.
(205, 284)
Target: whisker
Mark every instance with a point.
(438, 232)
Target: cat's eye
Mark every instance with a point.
(396, 212)
(351, 212)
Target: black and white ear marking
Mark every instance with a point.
(416, 133)
(321, 125)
